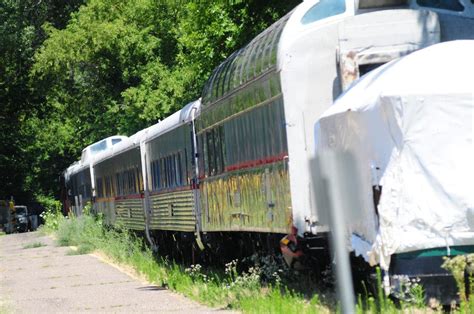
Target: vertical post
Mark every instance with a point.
(336, 181)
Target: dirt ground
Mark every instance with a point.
(46, 279)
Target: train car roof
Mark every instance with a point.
(92, 152)
(126, 145)
(177, 119)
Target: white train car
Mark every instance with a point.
(77, 178)
(409, 125)
(170, 187)
(145, 183)
(119, 184)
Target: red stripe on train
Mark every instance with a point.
(252, 163)
(257, 162)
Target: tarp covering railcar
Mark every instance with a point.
(410, 126)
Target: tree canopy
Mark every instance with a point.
(73, 72)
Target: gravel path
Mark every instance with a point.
(45, 279)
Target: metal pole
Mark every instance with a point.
(337, 184)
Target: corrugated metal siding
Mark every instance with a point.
(130, 213)
(173, 211)
(256, 199)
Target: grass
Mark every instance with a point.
(33, 245)
(2, 233)
(230, 289)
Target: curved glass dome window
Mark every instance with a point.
(98, 147)
(252, 62)
(442, 4)
(324, 9)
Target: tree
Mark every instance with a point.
(112, 67)
(20, 35)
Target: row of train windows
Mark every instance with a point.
(170, 171)
(451, 5)
(256, 136)
(81, 184)
(105, 187)
(259, 92)
(246, 63)
(129, 181)
(126, 182)
(82, 189)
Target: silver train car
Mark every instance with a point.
(77, 178)
(232, 170)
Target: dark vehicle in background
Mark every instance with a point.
(21, 219)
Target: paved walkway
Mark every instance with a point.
(45, 279)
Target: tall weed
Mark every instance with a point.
(52, 215)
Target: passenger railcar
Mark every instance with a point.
(78, 181)
(119, 184)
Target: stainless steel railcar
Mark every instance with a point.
(79, 185)
(145, 183)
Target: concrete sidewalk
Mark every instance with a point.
(45, 279)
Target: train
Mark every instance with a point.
(230, 172)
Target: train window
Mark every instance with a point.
(99, 187)
(255, 135)
(210, 153)
(373, 4)
(226, 74)
(132, 182)
(451, 5)
(236, 69)
(169, 171)
(139, 180)
(157, 174)
(116, 140)
(202, 154)
(102, 145)
(177, 162)
(212, 88)
(215, 151)
(108, 187)
(324, 9)
(153, 175)
(117, 181)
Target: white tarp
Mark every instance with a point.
(410, 126)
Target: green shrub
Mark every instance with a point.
(460, 266)
(52, 215)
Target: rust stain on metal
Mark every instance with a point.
(253, 200)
